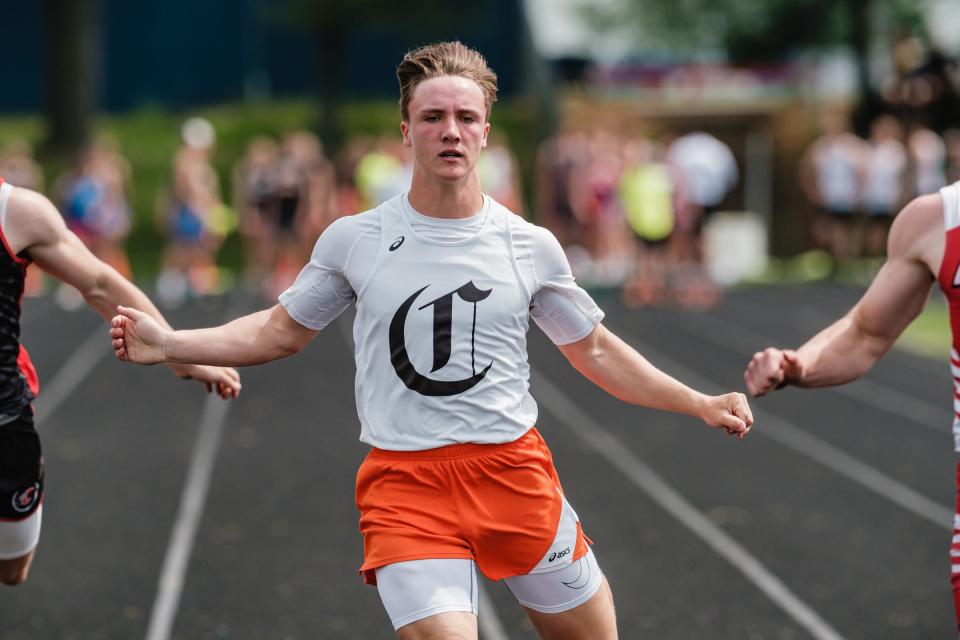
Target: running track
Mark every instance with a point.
(169, 515)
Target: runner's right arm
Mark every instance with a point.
(849, 347)
(320, 293)
(260, 337)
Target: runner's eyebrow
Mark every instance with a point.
(440, 111)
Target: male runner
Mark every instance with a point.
(445, 282)
(923, 247)
(32, 230)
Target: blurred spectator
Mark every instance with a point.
(499, 174)
(558, 158)
(321, 204)
(349, 200)
(709, 171)
(951, 140)
(921, 90)
(194, 217)
(286, 197)
(928, 159)
(597, 208)
(93, 199)
(18, 167)
(885, 181)
(831, 174)
(383, 172)
(254, 199)
(649, 190)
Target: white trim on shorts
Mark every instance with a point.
(417, 589)
(20, 537)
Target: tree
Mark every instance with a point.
(333, 22)
(758, 30)
(71, 78)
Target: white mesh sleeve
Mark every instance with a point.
(563, 310)
(322, 290)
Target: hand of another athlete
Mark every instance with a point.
(771, 369)
(224, 380)
(136, 336)
(730, 412)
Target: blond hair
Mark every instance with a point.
(444, 59)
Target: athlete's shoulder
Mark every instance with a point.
(536, 235)
(31, 218)
(349, 228)
(919, 225)
(503, 215)
(922, 213)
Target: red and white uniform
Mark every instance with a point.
(949, 279)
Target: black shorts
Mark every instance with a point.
(21, 468)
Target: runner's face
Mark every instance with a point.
(447, 127)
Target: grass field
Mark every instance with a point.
(929, 334)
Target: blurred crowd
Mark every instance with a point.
(911, 146)
(285, 192)
(858, 185)
(630, 210)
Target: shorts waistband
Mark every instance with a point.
(453, 451)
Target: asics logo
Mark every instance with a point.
(556, 555)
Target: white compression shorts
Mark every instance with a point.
(19, 537)
(418, 589)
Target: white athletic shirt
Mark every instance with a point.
(443, 309)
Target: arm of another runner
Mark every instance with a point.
(614, 366)
(849, 347)
(257, 338)
(34, 225)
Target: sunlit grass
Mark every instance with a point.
(929, 334)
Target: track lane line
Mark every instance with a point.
(616, 452)
(866, 391)
(810, 446)
(190, 512)
(192, 502)
(71, 373)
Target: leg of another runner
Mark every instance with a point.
(593, 620)
(454, 625)
(15, 570)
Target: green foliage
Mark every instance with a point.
(748, 30)
(929, 334)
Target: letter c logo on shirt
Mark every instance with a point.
(442, 329)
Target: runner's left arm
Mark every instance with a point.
(572, 320)
(617, 368)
